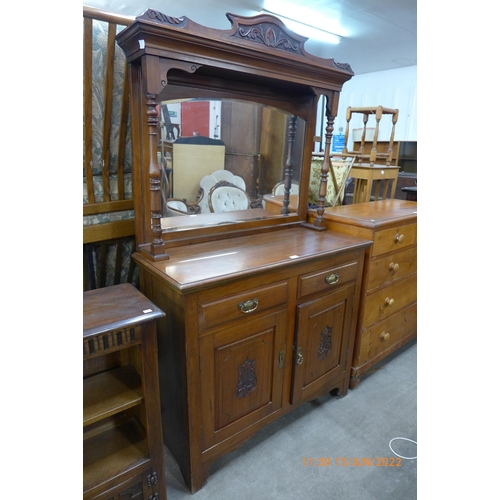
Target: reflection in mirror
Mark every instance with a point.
(225, 161)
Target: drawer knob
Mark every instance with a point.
(385, 336)
(399, 238)
(331, 279)
(248, 306)
(394, 266)
(389, 302)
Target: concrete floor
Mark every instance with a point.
(356, 429)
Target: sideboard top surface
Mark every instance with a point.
(117, 306)
(194, 266)
(374, 214)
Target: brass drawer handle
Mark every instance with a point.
(385, 336)
(399, 238)
(389, 302)
(394, 266)
(248, 306)
(332, 279)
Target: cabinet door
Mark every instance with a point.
(321, 343)
(241, 375)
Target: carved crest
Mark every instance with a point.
(154, 15)
(325, 343)
(269, 35)
(247, 380)
(342, 66)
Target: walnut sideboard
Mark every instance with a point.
(260, 306)
(255, 325)
(388, 308)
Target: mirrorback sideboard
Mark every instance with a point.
(260, 305)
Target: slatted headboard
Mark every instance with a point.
(108, 208)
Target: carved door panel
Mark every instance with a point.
(241, 376)
(321, 343)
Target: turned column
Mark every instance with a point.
(325, 168)
(331, 106)
(157, 244)
(288, 173)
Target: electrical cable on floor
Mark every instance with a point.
(404, 439)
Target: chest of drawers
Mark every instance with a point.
(388, 309)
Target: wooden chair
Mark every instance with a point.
(374, 156)
(108, 207)
(109, 262)
(177, 207)
(373, 169)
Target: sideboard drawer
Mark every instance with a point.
(389, 300)
(393, 239)
(326, 279)
(246, 303)
(392, 267)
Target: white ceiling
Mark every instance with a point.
(376, 35)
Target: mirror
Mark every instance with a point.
(225, 161)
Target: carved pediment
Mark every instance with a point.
(268, 31)
(156, 16)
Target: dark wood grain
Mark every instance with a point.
(205, 338)
(226, 371)
(115, 307)
(258, 59)
(122, 434)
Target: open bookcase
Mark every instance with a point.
(122, 437)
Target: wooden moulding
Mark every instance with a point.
(257, 57)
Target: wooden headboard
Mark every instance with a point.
(108, 208)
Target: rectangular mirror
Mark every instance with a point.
(225, 161)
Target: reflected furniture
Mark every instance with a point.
(177, 207)
(261, 307)
(208, 181)
(274, 203)
(204, 153)
(388, 310)
(279, 188)
(226, 197)
(122, 435)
